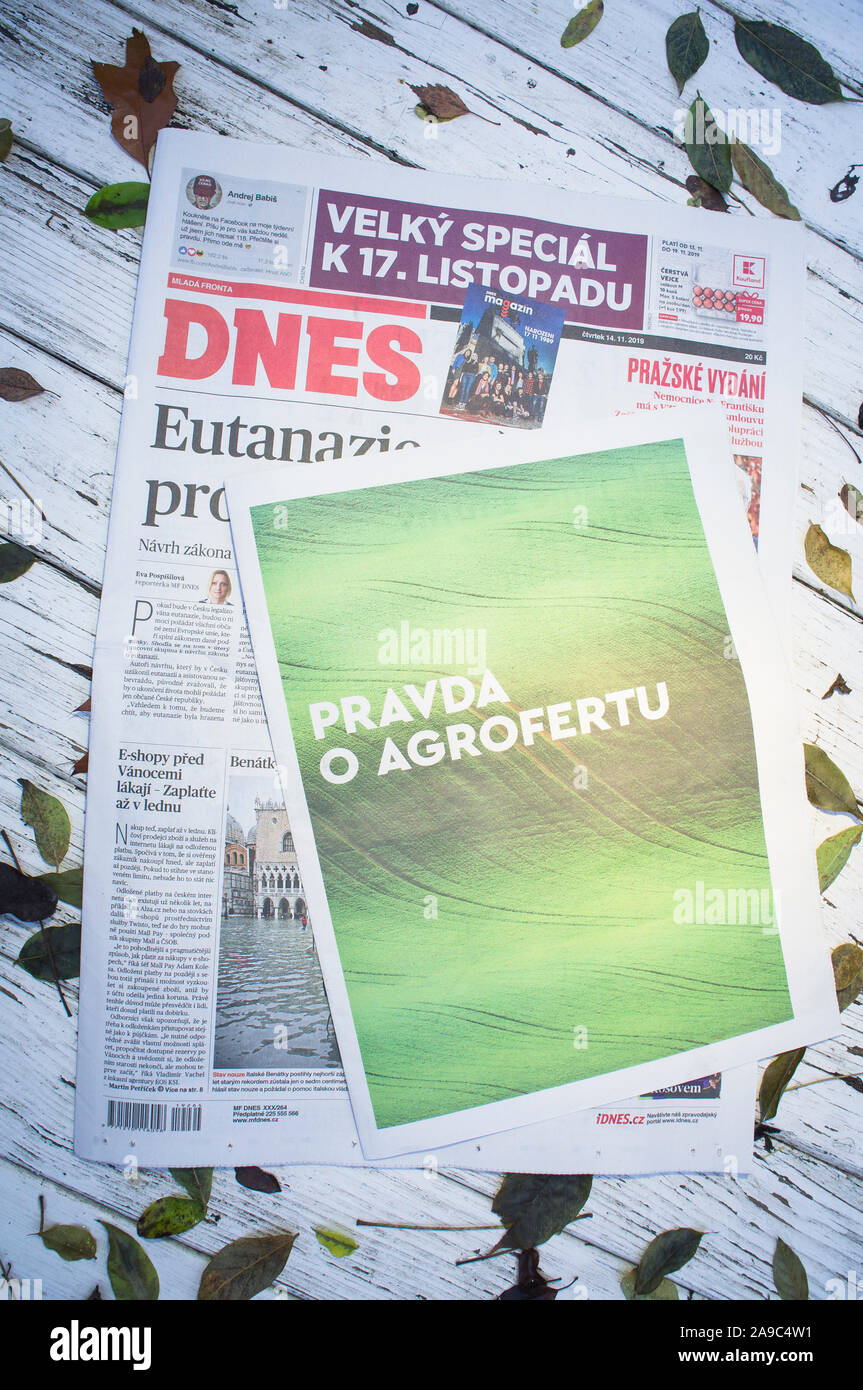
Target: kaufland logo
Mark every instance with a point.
(77, 1343)
(749, 272)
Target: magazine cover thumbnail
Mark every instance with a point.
(503, 359)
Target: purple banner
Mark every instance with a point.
(434, 254)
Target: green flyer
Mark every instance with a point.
(526, 749)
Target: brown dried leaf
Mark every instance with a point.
(18, 385)
(839, 687)
(83, 763)
(142, 95)
(440, 101)
(705, 195)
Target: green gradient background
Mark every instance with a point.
(555, 905)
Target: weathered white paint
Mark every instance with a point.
(304, 75)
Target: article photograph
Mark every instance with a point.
(271, 1008)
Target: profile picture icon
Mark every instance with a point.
(218, 589)
(203, 192)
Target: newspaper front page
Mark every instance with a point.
(298, 309)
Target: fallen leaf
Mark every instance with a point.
(705, 195)
(708, 148)
(531, 1284)
(169, 1216)
(28, 899)
(198, 1182)
(14, 561)
(68, 885)
(83, 709)
(582, 24)
(758, 180)
(82, 764)
(789, 1276)
(70, 1242)
(18, 385)
(119, 205)
(142, 95)
(829, 562)
(839, 687)
(686, 47)
(784, 58)
(49, 819)
(852, 500)
(245, 1267)
(444, 104)
(847, 961)
(776, 1076)
(5, 138)
(256, 1180)
(668, 1251)
(826, 785)
(665, 1291)
(832, 854)
(536, 1206)
(131, 1271)
(440, 101)
(337, 1242)
(60, 944)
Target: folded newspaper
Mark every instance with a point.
(293, 309)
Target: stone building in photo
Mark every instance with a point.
(276, 884)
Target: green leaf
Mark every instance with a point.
(707, 146)
(14, 561)
(582, 24)
(784, 58)
(337, 1242)
(847, 961)
(198, 1182)
(536, 1206)
(62, 944)
(70, 1242)
(776, 1076)
(832, 854)
(169, 1216)
(826, 786)
(665, 1253)
(665, 1291)
(686, 47)
(852, 500)
(757, 179)
(69, 885)
(131, 1271)
(5, 138)
(245, 1267)
(49, 819)
(789, 1276)
(119, 205)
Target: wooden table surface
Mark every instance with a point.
(329, 75)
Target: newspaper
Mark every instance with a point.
(294, 308)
